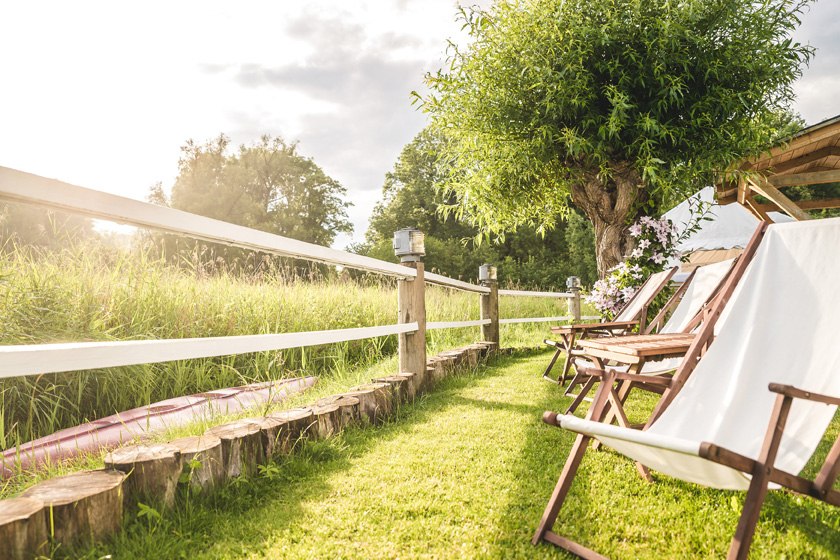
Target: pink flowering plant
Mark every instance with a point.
(656, 241)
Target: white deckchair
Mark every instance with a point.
(778, 332)
(699, 291)
(631, 316)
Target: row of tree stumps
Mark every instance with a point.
(88, 506)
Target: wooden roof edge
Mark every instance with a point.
(808, 135)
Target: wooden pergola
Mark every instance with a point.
(810, 157)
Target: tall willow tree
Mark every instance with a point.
(613, 106)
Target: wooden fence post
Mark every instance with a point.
(573, 285)
(409, 246)
(490, 304)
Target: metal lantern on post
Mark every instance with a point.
(409, 244)
(573, 285)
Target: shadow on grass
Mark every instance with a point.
(611, 510)
(204, 523)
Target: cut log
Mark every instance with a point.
(298, 423)
(327, 420)
(350, 407)
(400, 385)
(242, 447)
(153, 472)
(472, 356)
(410, 385)
(457, 356)
(203, 464)
(376, 401)
(23, 529)
(85, 506)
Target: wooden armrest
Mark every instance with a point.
(594, 326)
(623, 375)
(791, 391)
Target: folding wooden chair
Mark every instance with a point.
(721, 427)
(632, 315)
(661, 353)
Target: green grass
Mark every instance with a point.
(465, 473)
(93, 292)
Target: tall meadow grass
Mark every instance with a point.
(93, 292)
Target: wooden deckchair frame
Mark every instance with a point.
(571, 333)
(707, 316)
(762, 470)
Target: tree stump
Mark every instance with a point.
(242, 447)
(400, 385)
(203, 464)
(271, 431)
(350, 408)
(298, 423)
(23, 529)
(152, 473)
(85, 506)
(410, 385)
(327, 420)
(376, 401)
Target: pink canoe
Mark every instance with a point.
(111, 431)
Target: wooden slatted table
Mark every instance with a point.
(636, 350)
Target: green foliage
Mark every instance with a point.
(412, 197)
(267, 186)
(816, 192)
(617, 105)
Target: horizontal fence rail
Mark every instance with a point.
(34, 359)
(544, 319)
(431, 325)
(33, 189)
(433, 278)
(522, 293)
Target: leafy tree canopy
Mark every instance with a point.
(412, 197)
(615, 106)
(267, 186)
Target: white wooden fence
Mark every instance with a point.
(34, 359)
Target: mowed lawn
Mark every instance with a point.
(465, 473)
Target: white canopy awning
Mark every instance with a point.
(731, 226)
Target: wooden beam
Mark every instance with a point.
(817, 204)
(816, 155)
(798, 179)
(742, 191)
(767, 190)
(759, 212)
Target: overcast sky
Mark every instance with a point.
(103, 95)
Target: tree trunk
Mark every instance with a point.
(611, 204)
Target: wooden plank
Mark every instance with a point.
(808, 157)
(817, 204)
(811, 178)
(617, 356)
(767, 190)
(565, 329)
(20, 360)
